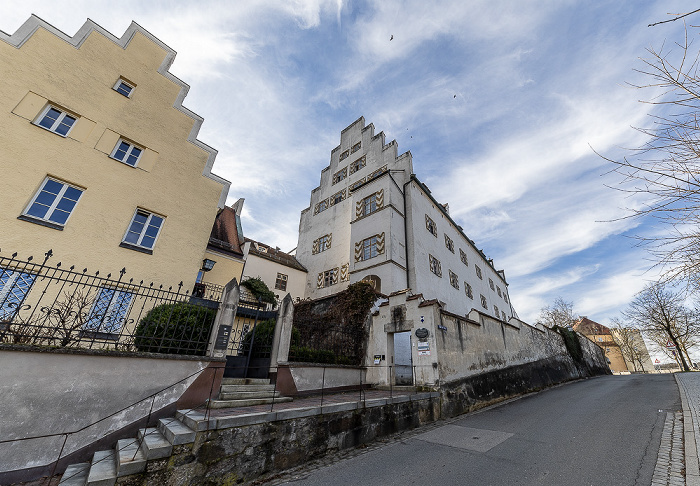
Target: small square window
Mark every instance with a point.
(356, 184)
(340, 175)
(491, 285)
(337, 197)
(435, 266)
(369, 205)
(56, 120)
(281, 282)
(126, 152)
(357, 165)
(463, 257)
(143, 230)
(54, 202)
(430, 225)
(122, 87)
(495, 311)
(503, 315)
(505, 297)
(321, 206)
(484, 304)
(356, 147)
(330, 277)
(478, 272)
(454, 279)
(344, 155)
(498, 291)
(468, 290)
(324, 243)
(449, 243)
(371, 247)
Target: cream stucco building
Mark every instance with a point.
(100, 160)
(372, 219)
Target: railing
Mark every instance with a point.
(208, 291)
(46, 305)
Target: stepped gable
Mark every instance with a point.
(586, 326)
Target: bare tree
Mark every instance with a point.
(631, 344)
(662, 175)
(560, 313)
(662, 316)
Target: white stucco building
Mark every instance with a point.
(371, 219)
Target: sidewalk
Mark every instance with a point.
(689, 386)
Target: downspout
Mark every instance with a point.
(405, 231)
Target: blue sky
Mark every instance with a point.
(499, 102)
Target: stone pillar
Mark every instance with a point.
(283, 334)
(221, 331)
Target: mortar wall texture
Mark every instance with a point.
(44, 67)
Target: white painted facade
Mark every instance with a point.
(399, 255)
(270, 266)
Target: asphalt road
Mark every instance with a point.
(601, 431)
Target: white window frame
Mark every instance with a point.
(54, 204)
(143, 231)
(121, 81)
(369, 247)
(324, 243)
(58, 122)
(114, 317)
(128, 153)
(280, 280)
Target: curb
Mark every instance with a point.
(690, 429)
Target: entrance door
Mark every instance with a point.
(403, 364)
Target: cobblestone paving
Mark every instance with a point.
(670, 462)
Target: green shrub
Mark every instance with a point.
(260, 290)
(179, 328)
(573, 345)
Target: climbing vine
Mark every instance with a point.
(260, 290)
(573, 345)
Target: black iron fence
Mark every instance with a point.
(48, 305)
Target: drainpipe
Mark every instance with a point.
(405, 231)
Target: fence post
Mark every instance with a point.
(221, 330)
(283, 334)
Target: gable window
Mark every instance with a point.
(344, 155)
(56, 120)
(281, 281)
(449, 243)
(491, 285)
(126, 152)
(54, 202)
(340, 175)
(321, 206)
(435, 266)
(430, 225)
(498, 291)
(468, 290)
(14, 287)
(143, 230)
(122, 87)
(337, 197)
(483, 302)
(454, 279)
(108, 311)
(463, 257)
(356, 147)
(478, 272)
(357, 165)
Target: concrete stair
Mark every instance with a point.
(245, 392)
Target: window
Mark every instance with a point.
(449, 243)
(143, 230)
(324, 243)
(498, 291)
(126, 152)
(344, 155)
(454, 279)
(505, 297)
(483, 302)
(357, 165)
(435, 266)
(495, 311)
(281, 282)
(463, 257)
(330, 277)
(356, 184)
(108, 311)
(491, 285)
(337, 197)
(430, 225)
(356, 147)
(376, 173)
(468, 290)
(14, 287)
(369, 247)
(503, 315)
(478, 272)
(340, 175)
(56, 120)
(322, 206)
(369, 205)
(54, 202)
(124, 88)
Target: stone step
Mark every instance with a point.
(240, 395)
(130, 457)
(247, 402)
(103, 469)
(75, 475)
(245, 381)
(194, 419)
(154, 444)
(247, 388)
(175, 431)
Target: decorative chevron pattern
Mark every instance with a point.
(314, 248)
(380, 243)
(319, 281)
(358, 209)
(336, 275)
(329, 238)
(358, 251)
(379, 196)
(344, 273)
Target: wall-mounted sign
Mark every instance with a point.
(424, 348)
(421, 333)
(377, 358)
(222, 337)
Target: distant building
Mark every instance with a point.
(371, 219)
(281, 272)
(100, 160)
(610, 343)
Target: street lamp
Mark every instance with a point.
(207, 265)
